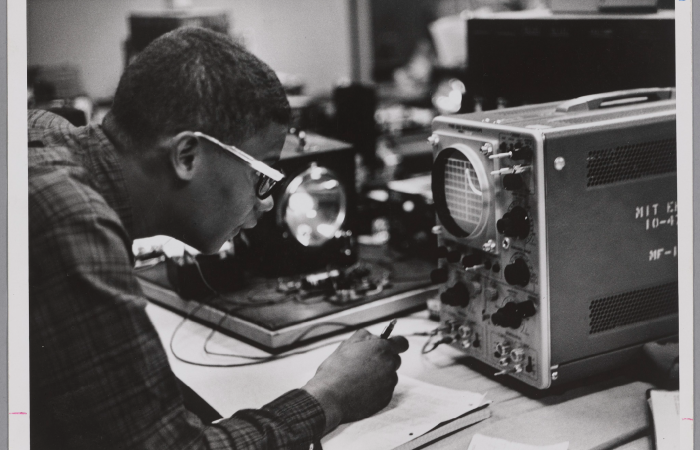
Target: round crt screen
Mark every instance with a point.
(459, 196)
(314, 206)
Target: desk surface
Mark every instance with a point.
(604, 413)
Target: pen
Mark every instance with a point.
(387, 331)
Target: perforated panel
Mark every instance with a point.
(463, 194)
(633, 307)
(628, 162)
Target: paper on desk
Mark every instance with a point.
(481, 442)
(415, 409)
(665, 411)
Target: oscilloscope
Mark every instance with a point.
(557, 232)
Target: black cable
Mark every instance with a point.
(251, 303)
(443, 340)
(285, 298)
(263, 359)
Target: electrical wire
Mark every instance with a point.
(250, 303)
(443, 340)
(256, 360)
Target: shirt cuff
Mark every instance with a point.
(302, 412)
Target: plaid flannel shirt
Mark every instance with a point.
(100, 378)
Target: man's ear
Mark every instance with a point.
(185, 154)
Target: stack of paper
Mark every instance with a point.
(481, 442)
(665, 412)
(416, 408)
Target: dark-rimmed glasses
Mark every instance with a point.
(267, 176)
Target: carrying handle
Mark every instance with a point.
(617, 98)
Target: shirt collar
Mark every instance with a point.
(105, 165)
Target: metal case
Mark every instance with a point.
(572, 265)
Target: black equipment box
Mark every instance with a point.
(516, 60)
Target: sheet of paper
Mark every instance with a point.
(666, 413)
(416, 408)
(481, 442)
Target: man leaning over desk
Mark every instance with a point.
(100, 378)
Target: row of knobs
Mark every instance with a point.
(510, 315)
(516, 273)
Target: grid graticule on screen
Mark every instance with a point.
(464, 204)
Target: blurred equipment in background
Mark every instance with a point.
(59, 89)
(355, 105)
(280, 313)
(145, 26)
(412, 217)
(449, 35)
(398, 28)
(313, 222)
(197, 276)
(300, 272)
(531, 57)
(558, 233)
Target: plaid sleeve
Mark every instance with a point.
(99, 375)
(293, 421)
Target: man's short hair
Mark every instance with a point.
(193, 79)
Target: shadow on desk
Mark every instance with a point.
(196, 404)
(639, 371)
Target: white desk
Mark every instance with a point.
(607, 414)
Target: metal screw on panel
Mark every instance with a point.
(486, 149)
(559, 163)
(506, 244)
(489, 246)
(434, 140)
(555, 375)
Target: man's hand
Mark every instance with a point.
(358, 379)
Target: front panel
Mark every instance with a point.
(485, 185)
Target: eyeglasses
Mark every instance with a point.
(267, 176)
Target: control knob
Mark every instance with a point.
(439, 275)
(511, 315)
(515, 223)
(513, 182)
(457, 295)
(471, 260)
(523, 152)
(517, 273)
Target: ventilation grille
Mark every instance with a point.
(629, 162)
(633, 307)
(615, 115)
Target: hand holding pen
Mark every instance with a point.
(358, 379)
